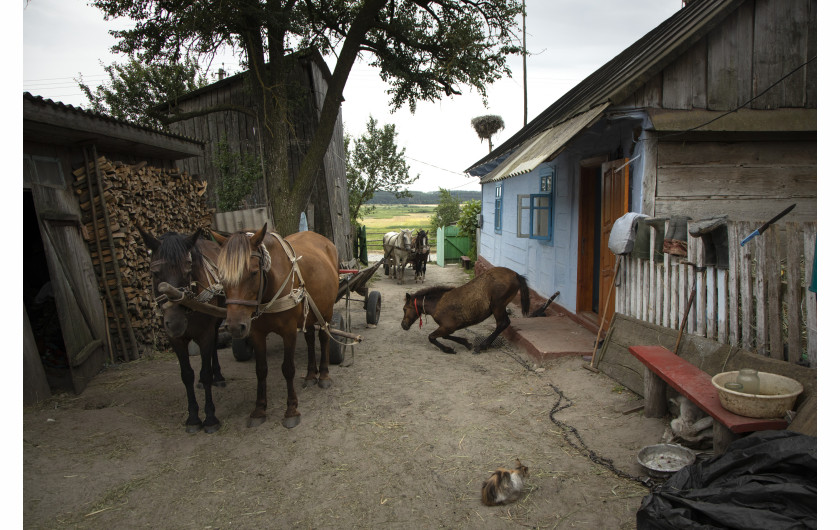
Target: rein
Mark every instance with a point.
(199, 299)
(423, 305)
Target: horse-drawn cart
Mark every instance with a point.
(354, 280)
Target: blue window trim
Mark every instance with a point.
(497, 225)
(536, 209)
(546, 186)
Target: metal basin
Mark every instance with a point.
(662, 460)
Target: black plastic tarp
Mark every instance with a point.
(763, 481)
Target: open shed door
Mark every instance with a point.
(615, 196)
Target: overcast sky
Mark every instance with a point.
(569, 40)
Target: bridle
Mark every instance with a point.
(419, 313)
(263, 280)
(207, 294)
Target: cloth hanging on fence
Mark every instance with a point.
(623, 233)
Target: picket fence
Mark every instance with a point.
(761, 302)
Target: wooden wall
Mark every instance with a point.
(750, 180)
(758, 44)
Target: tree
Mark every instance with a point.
(468, 224)
(487, 126)
(447, 211)
(424, 49)
(375, 164)
(238, 174)
(134, 88)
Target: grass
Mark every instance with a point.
(393, 217)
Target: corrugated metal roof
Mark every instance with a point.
(46, 121)
(622, 75)
(538, 148)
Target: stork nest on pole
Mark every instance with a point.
(487, 126)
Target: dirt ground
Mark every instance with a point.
(403, 439)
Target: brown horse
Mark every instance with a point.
(186, 263)
(277, 285)
(455, 308)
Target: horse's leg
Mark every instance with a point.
(218, 378)
(258, 341)
(193, 422)
(207, 343)
(324, 380)
(440, 332)
(460, 340)
(311, 366)
(502, 322)
(292, 417)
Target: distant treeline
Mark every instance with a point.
(422, 197)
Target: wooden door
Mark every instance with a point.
(588, 239)
(615, 183)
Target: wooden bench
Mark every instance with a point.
(663, 367)
(466, 262)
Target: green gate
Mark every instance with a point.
(360, 245)
(453, 245)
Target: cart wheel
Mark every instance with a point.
(242, 349)
(336, 349)
(374, 304)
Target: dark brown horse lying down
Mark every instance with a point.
(455, 308)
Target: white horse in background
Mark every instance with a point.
(397, 248)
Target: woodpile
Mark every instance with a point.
(159, 201)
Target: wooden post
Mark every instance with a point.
(722, 437)
(656, 401)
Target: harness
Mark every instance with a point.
(204, 296)
(419, 313)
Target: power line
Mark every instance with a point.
(436, 167)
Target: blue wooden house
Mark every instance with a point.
(713, 112)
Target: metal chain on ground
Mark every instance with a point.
(565, 429)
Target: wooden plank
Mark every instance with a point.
(666, 291)
(729, 60)
(646, 307)
(651, 154)
(743, 209)
(782, 29)
(701, 303)
(722, 313)
(810, 243)
(732, 283)
(659, 294)
(793, 293)
(759, 244)
(727, 181)
(746, 287)
(711, 303)
(772, 269)
(681, 294)
(747, 153)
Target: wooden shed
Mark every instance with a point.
(328, 213)
(70, 334)
(712, 113)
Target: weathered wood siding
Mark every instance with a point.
(760, 303)
(744, 180)
(753, 48)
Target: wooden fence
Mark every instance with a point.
(374, 239)
(761, 302)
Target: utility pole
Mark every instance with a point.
(524, 68)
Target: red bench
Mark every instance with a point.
(664, 367)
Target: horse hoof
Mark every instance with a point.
(308, 382)
(325, 383)
(220, 384)
(449, 350)
(291, 422)
(256, 422)
(476, 351)
(193, 428)
(210, 429)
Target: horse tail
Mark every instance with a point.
(524, 295)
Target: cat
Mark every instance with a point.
(504, 485)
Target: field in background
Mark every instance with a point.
(392, 217)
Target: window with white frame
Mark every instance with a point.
(536, 211)
(498, 209)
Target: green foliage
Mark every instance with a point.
(448, 210)
(238, 174)
(468, 224)
(135, 87)
(375, 164)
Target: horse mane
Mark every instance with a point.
(174, 249)
(434, 292)
(234, 258)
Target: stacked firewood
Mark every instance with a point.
(157, 200)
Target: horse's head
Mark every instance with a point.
(405, 238)
(421, 242)
(243, 262)
(410, 311)
(172, 262)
